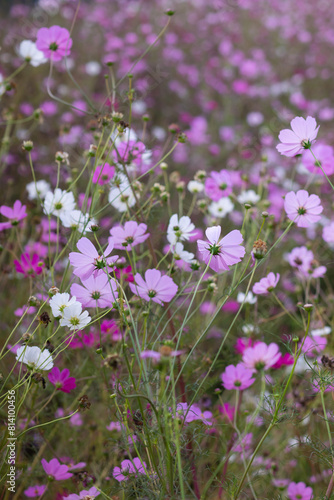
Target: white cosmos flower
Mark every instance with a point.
(2, 86)
(248, 197)
(181, 254)
(121, 195)
(40, 188)
(34, 357)
(74, 317)
(221, 208)
(249, 299)
(30, 53)
(195, 187)
(320, 332)
(58, 202)
(179, 229)
(59, 302)
(77, 220)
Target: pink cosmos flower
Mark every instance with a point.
(89, 262)
(96, 291)
(29, 266)
(324, 156)
(129, 467)
(227, 411)
(129, 236)
(299, 491)
(267, 284)
(155, 287)
(192, 413)
(261, 356)
(15, 214)
(124, 273)
(237, 377)
(103, 174)
(302, 208)
(328, 233)
(61, 379)
(35, 491)
(300, 257)
(55, 469)
(218, 184)
(84, 494)
(284, 360)
(54, 42)
(110, 327)
(156, 356)
(313, 345)
(223, 252)
(294, 141)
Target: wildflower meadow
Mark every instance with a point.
(166, 250)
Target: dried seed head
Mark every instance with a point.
(165, 350)
(53, 291)
(259, 249)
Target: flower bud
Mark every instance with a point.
(259, 249)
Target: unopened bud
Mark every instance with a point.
(27, 145)
(259, 249)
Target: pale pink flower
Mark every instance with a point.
(218, 184)
(128, 236)
(223, 252)
(15, 214)
(267, 284)
(299, 491)
(128, 468)
(302, 208)
(261, 356)
(324, 156)
(155, 287)
(328, 233)
(237, 377)
(103, 174)
(96, 291)
(294, 141)
(89, 261)
(54, 42)
(55, 469)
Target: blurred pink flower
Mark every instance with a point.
(129, 467)
(223, 252)
(29, 266)
(299, 491)
(155, 287)
(103, 174)
(15, 214)
(261, 356)
(218, 184)
(302, 208)
(324, 155)
(54, 42)
(61, 379)
(237, 377)
(55, 469)
(35, 491)
(84, 494)
(294, 141)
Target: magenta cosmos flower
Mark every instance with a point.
(127, 236)
(129, 467)
(299, 491)
(294, 141)
(55, 469)
(224, 252)
(324, 158)
(35, 491)
(155, 287)
(96, 291)
(89, 261)
(237, 377)
(29, 266)
(267, 284)
(54, 42)
(261, 356)
(62, 380)
(302, 208)
(218, 184)
(103, 174)
(15, 214)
